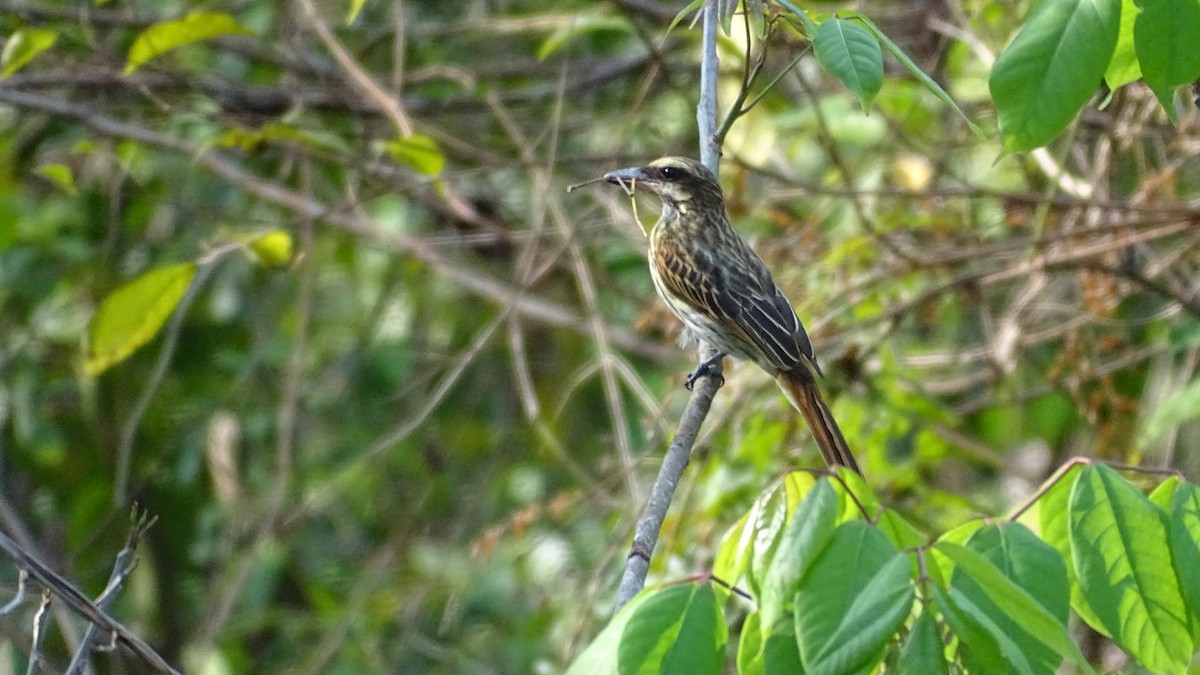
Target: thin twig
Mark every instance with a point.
(80, 604)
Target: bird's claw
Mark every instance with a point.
(705, 369)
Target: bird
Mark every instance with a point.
(722, 291)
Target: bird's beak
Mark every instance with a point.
(626, 176)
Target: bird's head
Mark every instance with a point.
(682, 183)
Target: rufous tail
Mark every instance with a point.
(800, 386)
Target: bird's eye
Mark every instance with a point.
(672, 173)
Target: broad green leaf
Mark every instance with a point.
(677, 630)
(856, 499)
(60, 175)
(1051, 68)
(418, 151)
(913, 68)
(941, 567)
(1015, 604)
(781, 654)
(1124, 68)
(1120, 546)
(1163, 495)
(984, 646)
(750, 646)
(131, 315)
(733, 555)
(1185, 546)
(1180, 407)
(600, 657)
(167, 35)
(272, 249)
(1053, 527)
(847, 51)
(805, 536)
(22, 46)
(767, 531)
(898, 530)
(1166, 35)
(923, 651)
(1034, 566)
(796, 486)
(867, 615)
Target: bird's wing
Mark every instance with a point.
(738, 294)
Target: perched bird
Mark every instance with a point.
(722, 291)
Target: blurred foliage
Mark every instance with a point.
(419, 444)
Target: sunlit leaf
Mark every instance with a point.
(273, 249)
(356, 7)
(419, 152)
(22, 46)
(1124, 68)
(60, 175)
(1122, 557)
(131, 315)
(1185, 546)
(167, 35)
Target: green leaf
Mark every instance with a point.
(1119, 543)
(898, 53)
(167, 35)
(1034, 566)
(1166, 35)
(1163, 495)
(805, 536)
(853, 602)
(1051, 68)
(750, 646)
(691, 7)
(768, 528)
(22, 46)
(1124, 68)
(984, 646)
(899, 531)
(60, 175)
(848, 52)
(600, 657)
(923, 651)
(131, 315)
(419, 152)
(678, 630)
(781, 654)
(1180, 407)
(1053, 527)
(272, 249)
(1185, 546)
(356, 7)
(1014, 602)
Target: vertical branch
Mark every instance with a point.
(706, 111)
(679, 453)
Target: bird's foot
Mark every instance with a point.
(706, 369)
